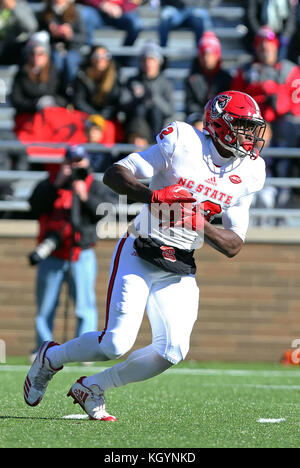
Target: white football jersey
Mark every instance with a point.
(185, 156)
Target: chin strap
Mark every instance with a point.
(254, 154)
(249, 148)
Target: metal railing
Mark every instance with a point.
(115, 150)
(31, 178)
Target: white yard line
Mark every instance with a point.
(76, 416)
(270, 420)
(260, 420)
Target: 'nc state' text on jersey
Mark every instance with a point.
(206, 191)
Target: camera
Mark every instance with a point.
(80, 173)
(75, 154)
(45, 248)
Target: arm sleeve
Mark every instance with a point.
(251, 16)
(95, 196)
(21, 102)
(164, 100)
(43, 198)
(236, 218)
(92, 3)
(291, 22)
(80, 99)
(79, 33)
(145, 164)
(25, 17)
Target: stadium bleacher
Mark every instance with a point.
(228, 26)
(180, 52)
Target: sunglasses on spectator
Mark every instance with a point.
(99, 56)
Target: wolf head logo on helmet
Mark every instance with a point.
(232, 114)
(218, 105)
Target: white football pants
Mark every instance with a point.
(171, 302)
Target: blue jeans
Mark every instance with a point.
(67, 64)
(81, 278)
(197, 19)
(94, 19)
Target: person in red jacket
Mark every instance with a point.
(206, 78)
(65, 205)
(274, 84)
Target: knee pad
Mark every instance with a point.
(174, 354)
(114, 347)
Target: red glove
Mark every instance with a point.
(172, 194)
(189, 218)
(192, 218)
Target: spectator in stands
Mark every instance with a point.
(271, 82)
(149, 94)
(65, 205)
(17, 24)
(63, 22)
(138, 133)
(279, 15)
(206, 78)
(196, 120)
(37, 83)
(119, 14)
(184, 13)
(97, 87)
(95, 126)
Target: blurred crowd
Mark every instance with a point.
(59, 67)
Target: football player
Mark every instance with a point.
(209, 173)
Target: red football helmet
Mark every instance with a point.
(231, 114)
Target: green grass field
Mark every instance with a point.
(193, 405)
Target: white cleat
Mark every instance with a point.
(39, 375)
(91, 399)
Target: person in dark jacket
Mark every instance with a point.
(97, 86)
(65, 205)
(17, 24)
(206, 79)
(149, 95)
(37, 83)
(279, 15)
(64, 23)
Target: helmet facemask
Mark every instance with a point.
(250, 127)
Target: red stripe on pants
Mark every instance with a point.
(112, 281)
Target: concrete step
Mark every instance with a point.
(181, 35)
